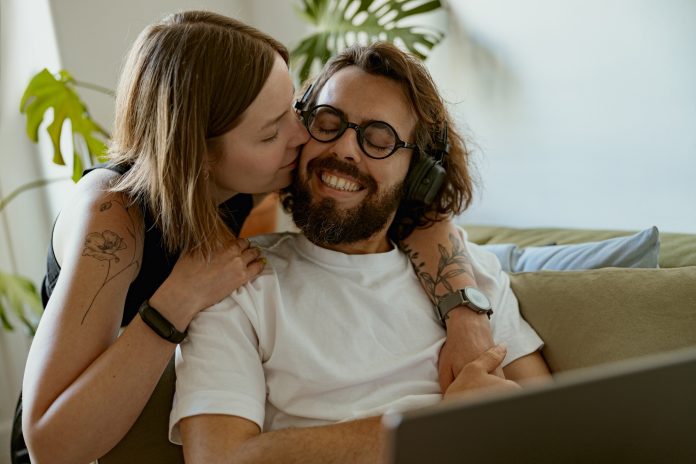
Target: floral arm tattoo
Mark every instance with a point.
(103, 246)
(450, 265)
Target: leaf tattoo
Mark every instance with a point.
(458, 257)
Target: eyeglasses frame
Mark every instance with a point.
(345, 125)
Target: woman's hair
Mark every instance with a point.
(186, 80)
(387, 60)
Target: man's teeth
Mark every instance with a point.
(339, 183)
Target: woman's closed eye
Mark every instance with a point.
(271, 138)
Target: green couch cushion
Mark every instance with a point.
(676, 250)
(597, 316)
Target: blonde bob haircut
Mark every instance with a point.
(187, 80)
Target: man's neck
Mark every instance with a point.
(378, 243)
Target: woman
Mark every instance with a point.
(203, 124)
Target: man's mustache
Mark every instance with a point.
(343, 167)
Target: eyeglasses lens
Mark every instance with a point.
(377, 139)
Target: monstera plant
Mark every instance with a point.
(336, 23)
(339, 23)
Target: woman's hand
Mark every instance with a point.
(478, 375)
(196, 283)
(468, 335)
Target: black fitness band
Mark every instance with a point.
(159, 324)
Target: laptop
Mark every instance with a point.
(638, 411)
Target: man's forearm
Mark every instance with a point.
(440, 259)
(349, 442)
(442, 263)
(359, 441)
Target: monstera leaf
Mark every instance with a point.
(340, 23)
(19, 294)
(58, 92)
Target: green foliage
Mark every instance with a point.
(339, 23)
(47, 91)
(19, 295)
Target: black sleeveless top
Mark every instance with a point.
(157, 263)
(156, 266)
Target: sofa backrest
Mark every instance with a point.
(676, 250)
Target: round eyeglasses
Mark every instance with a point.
(377, 139)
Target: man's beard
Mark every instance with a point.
(323, 223)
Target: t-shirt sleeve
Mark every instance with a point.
(507, 324)
(218, 368)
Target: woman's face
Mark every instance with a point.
(260, 153)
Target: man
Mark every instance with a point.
(337, 330)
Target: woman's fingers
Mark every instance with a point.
(250, 254)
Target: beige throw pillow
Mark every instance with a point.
(591, 317)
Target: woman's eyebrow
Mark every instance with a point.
(273, 121)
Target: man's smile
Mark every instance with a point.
(339, 181)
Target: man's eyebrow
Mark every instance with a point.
(275, 120)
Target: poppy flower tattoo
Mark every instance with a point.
(103, 246)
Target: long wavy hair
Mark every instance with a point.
(385, 59)
(186, 80)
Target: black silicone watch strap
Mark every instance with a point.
(159, 324)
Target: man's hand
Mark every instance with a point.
(468, 335)
(477, 375)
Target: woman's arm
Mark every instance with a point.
(442, 264)
(84, 386)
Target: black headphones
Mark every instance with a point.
(426, 176)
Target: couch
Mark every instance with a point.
(585, 318)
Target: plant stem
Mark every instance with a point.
(28, 186)
(98, 88)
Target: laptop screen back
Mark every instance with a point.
(635, 411)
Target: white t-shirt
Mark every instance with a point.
(321, 337)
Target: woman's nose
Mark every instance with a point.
(300, 136)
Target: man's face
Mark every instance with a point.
(340, 195)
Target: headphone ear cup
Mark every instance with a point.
(424, 180)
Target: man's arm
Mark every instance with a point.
(223, 439)
(530, 367)
(442, 263)
(213, 438)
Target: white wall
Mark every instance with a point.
(589, 119)
(26, 44)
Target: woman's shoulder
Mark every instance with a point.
(95, 188)
(96, 210)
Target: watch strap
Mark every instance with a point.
(159, 324)
(454, 300)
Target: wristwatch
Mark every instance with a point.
(159, 324)
(471, 297)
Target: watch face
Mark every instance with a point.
(477, 297)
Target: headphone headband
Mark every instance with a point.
(300, 104)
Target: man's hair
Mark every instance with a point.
(387, 60)
(185, 81)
